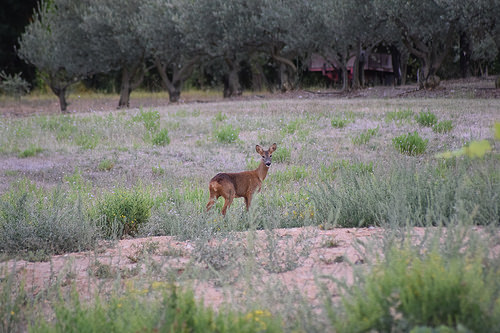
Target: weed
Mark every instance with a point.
(427, 119)
(158, 170)
(282, 155)
(102, 271)
(292, 126)
(30, 152)
(161, 138)
(340, 122)
(444, 126)
(220, 117)
(293, 173)
(364, 137)
(150, 119)
(106, 165)
(399, 116)
(226, 134)
(410, 144)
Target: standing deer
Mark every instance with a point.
(240, 184)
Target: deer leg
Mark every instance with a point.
(228, 199)
(248, 201)
(210, 203)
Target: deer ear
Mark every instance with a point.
(259, 149)
(272, 148)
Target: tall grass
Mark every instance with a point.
(410, 194)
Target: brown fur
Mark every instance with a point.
(240, 184)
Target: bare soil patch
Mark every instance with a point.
(330, 253)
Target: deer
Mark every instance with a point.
(240, 184)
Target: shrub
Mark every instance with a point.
(427, 119)
(161, 138)
(13, 85)
(443, 126)
(122, 211)
(226, 134)
(41, 222)
(410, 144)
(220, 116)
(434, 288)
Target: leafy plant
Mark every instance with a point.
(226, 134)
(412, 288)
(444, 126)
(282, 155)
(13, 85)
(123, 210)
(398, 116)
(220, 116)
(340, 122)
(30, 152)
(426, 118)
(364, 137)
(161, 138)
(410, 144)
(106, 165)
(150, 119)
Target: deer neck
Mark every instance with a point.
(262, 171)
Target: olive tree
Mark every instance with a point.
(427, 28)
(115, 42)
(57, 46)
(172, 56)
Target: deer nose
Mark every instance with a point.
(268, 163)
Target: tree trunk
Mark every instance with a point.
(125, 89)
(232, 85)
(258, 78)
(404, 67)
(465, 55)
(61, 95)
(132, 78)
(174, 85)
(396, 65)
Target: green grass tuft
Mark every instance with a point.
(410, 144)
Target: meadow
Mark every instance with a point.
(83, 181)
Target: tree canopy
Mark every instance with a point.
(68, 40)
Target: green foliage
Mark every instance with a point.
(123, 210)
(444, 126)
(150, 119)
(30, 152)
(13, 299)
(364, 137)
(282, 155)
(161, 138)
(106, 165)
(158, 170)
(340, 122)
(399, 116)
(13, 85)
(174, 311)
(426, 118)
(407, 194)
(33, 219)
(226, 134)
(410, 144)
(292, 126)
(292, 173)
(433, 288)
(220, 116)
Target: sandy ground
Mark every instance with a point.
(329, 253)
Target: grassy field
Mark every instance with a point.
(68, 182)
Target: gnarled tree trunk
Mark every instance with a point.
(132, 78)
(232, 85)
(174, 85)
